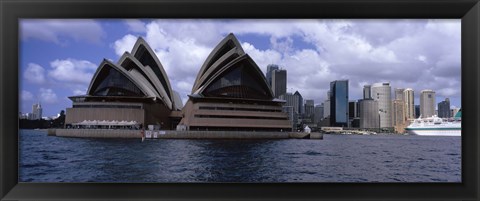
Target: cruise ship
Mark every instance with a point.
(435, 126)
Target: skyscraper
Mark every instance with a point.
(292, 100)
(367, 92)
(398, 110)
(300, 108)
(409, 98)
(279, 82)
(291, 115)
(444, 109)
(326, 106)
(318, 113)
(270, 69)
(353, 113)
(427, 103)
(36, 111)
(352, 109)
(339, 103)
(381, 92)
(399, 94)
(369, 117)
(309, 109)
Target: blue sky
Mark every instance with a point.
(59, 57)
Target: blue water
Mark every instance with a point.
(337, 158)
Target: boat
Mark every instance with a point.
(435, 126)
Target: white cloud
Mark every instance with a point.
(26, 96)
(34, 74)
(58, 31)
(47, 96)
(407, 53)
(72, 70)
(422, 58)
(77, 92)
(135, 25)
(125, 44)
(275, 28)
(262, 57)
(447, 92)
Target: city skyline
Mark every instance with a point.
(59, 57)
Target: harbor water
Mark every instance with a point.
(336, 158)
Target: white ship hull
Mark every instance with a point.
(434, 126)
(435, 132)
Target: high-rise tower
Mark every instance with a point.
(381, 92)
(279, 82)
(409, 98)
(339, 103)
(270, 69)
(399, 94)
(36, 111)
(444, 109)
(427, 103)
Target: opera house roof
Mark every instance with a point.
(137, 74)
(228, 72)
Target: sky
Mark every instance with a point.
(58, 57)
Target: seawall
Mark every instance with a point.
(97, 133)
(110, 133)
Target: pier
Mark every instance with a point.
(170, 134)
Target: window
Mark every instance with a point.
(239, 81)
(113, 83)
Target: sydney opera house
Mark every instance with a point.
(135, 89)
(230, 93)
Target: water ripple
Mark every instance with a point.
(337, 158)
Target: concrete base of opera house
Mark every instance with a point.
(170, 134)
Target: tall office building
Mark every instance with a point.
(339, 103)
(318, 113)
(270, 69)
(353, 114)
(399, 94)
(427, 103)
(36, 111)
(309, 109)
(326, 106)
(352, 109)
(409, 98)
(367, 92)
(444, 109)
(301, 109)
(291, 115)
(398, 110)
(279, 82)
(381, 92)
(292, 100)
(369, 117)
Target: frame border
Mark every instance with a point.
(11, 11)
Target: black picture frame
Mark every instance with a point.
(11, 11)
